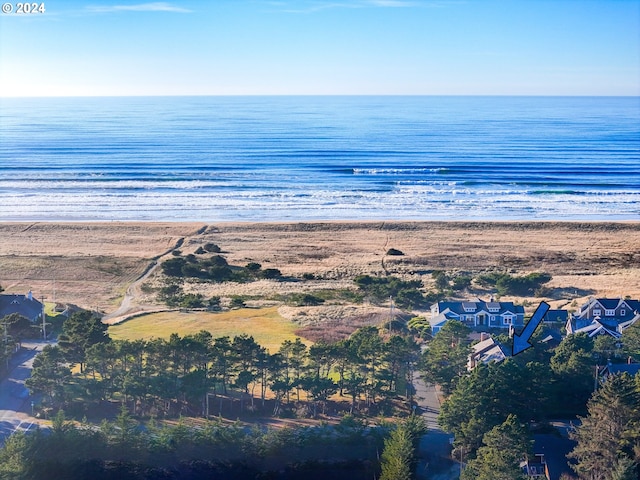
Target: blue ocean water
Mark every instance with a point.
(320, 158)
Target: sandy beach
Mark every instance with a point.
(93, 264)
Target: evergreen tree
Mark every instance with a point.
(505, 446)
(631, 341)
(625, 469)
(445, 360)
(397, 456)
(49, 374)
(610, 431)
(79, 332)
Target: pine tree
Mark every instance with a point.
(505, 446)
(625, 469)
(610, 430)
(397, 456)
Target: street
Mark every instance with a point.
(435, 462)
(15, 403)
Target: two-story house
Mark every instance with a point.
(477, 314)
(604, 316)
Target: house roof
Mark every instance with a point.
(20, 304)
(630, 368)
(556, 316)
(597, 328)
(609, 303)
(484, 352)
(460, 308)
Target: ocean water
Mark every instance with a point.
(320, 158)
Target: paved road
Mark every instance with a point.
(15, 403)
(434, 447)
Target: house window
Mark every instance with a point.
(493, 318)
(507, 320)
(597, 312)
(623, 312)
(609, 313)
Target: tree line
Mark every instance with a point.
(124, 450)
(201, 375)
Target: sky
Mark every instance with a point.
(321, 47)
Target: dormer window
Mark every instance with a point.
(609, 313)
(493, 307)
(469, 307)
(597, 312)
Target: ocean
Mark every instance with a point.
(215, 159)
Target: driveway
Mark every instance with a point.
(15, 402)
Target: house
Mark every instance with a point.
(632, 369)
(604, 316)
(477, 314)
(25, 305)
(485, 351)
(556, 316)
(535, 467)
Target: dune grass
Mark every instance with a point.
(266, 326)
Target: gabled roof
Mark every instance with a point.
(624, 325)
(460, 308)
(609, 303)
(485, 351)
(597, 328)
(20, 304)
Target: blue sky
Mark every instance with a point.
(317, 47)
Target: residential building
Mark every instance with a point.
(535, 467)
(25, 305)
(485, 351)
(477, 314)
(604, 316)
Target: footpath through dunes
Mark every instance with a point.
(88, 264)
(106, 265)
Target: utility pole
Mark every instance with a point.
(44, 321)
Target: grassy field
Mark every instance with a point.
(266, 326)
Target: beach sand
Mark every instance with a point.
(93, 264)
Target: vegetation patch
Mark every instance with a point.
(265, 325)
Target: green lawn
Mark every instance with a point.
(266, 326)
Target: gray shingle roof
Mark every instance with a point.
(21, 304)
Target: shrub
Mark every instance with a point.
(173, 267)
(200, 251)
(237, 302)
(395, 252)
(461, 282)
(405, 293)
(220, 274)
(218, 261)
(308, 276)
(212, 248)
(506, 284)
(307, 300)
(192, 300)
(271, 273)
(253, 266)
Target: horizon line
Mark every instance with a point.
(3, 97)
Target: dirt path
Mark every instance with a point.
(129, 307)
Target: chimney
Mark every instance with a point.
(30, 295)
